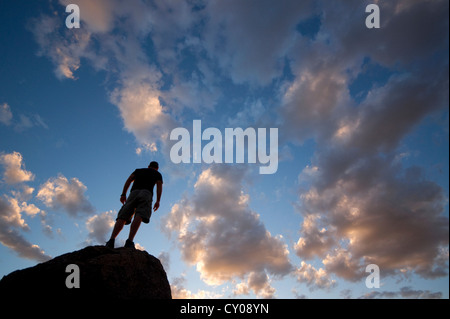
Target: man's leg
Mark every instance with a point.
(134, 227)
(117, 228)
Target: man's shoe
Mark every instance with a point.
(110, 243)
(129, 244)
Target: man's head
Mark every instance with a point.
(154, 165)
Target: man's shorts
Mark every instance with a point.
(140, 203)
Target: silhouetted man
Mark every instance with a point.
(139, 203)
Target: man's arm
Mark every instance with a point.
(123, 197)
(158, 195)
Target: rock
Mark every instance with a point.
(121, 273)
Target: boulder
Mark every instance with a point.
(93, 272)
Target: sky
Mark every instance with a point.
(362, 116)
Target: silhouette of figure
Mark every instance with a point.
(139, 203)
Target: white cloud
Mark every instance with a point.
(404, 292)
(24, 193)
(314, 240)
(98, 15)
(317, 103)
(314, 278)
(13, 217)
(377, 212)
(99, 227)
(30, 209)
(12, 209)
(142, 112)
(60, 193)
(258, 282)
(219, 233)
(268, 31)
(14, 169)
(359, 203)
(26, 122)
(123, 56)
(180, 292)
(23, 122)
(5, 114)
(343, 264)
(65, 49)
(147, 147)
(314, 101)
(11, 222)
(102, 16)
(164, 258)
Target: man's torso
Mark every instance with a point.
(145, 178)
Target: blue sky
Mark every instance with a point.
(362, 117)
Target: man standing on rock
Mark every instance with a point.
(139, 203)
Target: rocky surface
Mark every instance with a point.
(121, 273)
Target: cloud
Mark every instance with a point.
(404, 292)
(316, 99)
(101, 17)
(64, 48)
(314, 278)
(26, 122)
(23, 123)
(359, 203)
(12, 214)
(314, 240)
(317, 104)
(30, 209)
(361, 206)
(219, 233)
(171, 22)
(373, 211)
(98, 15)
(11, 222)
(99, 226)
(122, 55)
(13, 208)
(142, 112)
(180, 292)
(5, 114)
(259, 283)
(391, 44)
(197, 92)
(60, 193)
(152, 77)
(14, 169)
(269, 31)
(164, 258)
(147, 147)
(397, 107)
